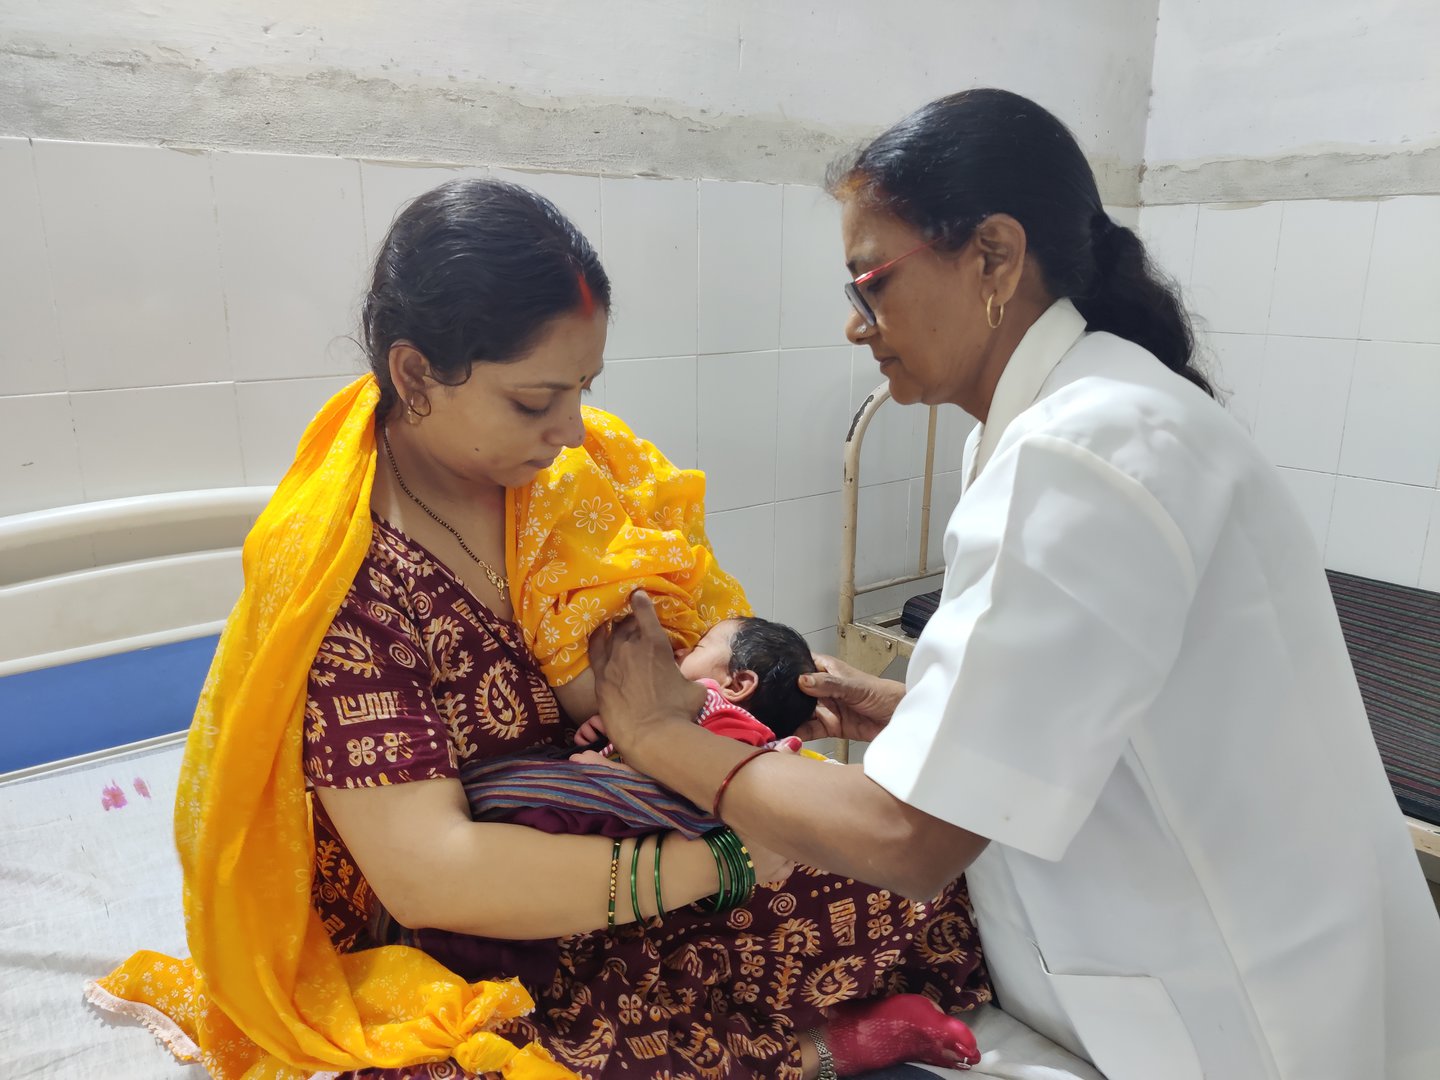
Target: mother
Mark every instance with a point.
(1133, 711)
(485, 325)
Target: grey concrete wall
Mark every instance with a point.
(738, 90)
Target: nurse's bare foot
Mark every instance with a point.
(868, 1035)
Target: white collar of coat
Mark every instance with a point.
(1039, 351)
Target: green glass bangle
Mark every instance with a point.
(744, 869)
(635, 879)
(727, 853)
(721, 872)
(732, 893)
(659, 903)
(734, 868)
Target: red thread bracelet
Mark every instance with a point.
(715, 809)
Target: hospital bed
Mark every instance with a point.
(1392, 631)
(109, 613)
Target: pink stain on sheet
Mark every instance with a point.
(141, 788)
(111, 797)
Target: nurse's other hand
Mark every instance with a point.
(771, 868)
(591, 757)
(849, 703)
(637, 685)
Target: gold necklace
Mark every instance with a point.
(496, 579)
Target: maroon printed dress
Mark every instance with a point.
(417, 676)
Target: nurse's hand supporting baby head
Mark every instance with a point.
(851, 704)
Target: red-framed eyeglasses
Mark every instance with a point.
(852, 288)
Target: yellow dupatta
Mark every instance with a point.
(604, 519)
(265, 994)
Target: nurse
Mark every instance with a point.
(1132, 719)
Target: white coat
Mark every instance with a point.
(1136, 687)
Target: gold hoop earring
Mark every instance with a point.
(991, 319)
(415, 414)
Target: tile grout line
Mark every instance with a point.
(779, 357)
(59, 335)
(1369, 265)
(49, 267)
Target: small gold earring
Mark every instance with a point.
(415, 414)
(992, 319)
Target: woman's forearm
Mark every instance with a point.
(828, 816)
(431, 866)
(510, 882)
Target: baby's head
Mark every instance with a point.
(758, 664)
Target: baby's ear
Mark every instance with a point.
(740, 686)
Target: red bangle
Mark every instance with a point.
(715, 809)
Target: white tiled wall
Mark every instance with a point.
(132, 249)
(653, 266)
(292, 257)
(1322, 320)
(177, 324)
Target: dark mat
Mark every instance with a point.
(1393, 633)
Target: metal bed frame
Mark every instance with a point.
(872, 643)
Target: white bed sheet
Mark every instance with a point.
(1011, 1051)
(86, 881)
(84, 887)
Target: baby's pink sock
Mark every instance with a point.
(867, 1035)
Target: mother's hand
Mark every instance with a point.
(638, 686)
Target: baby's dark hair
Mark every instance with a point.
(779, 656)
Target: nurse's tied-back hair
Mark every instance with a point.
(954, 162)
